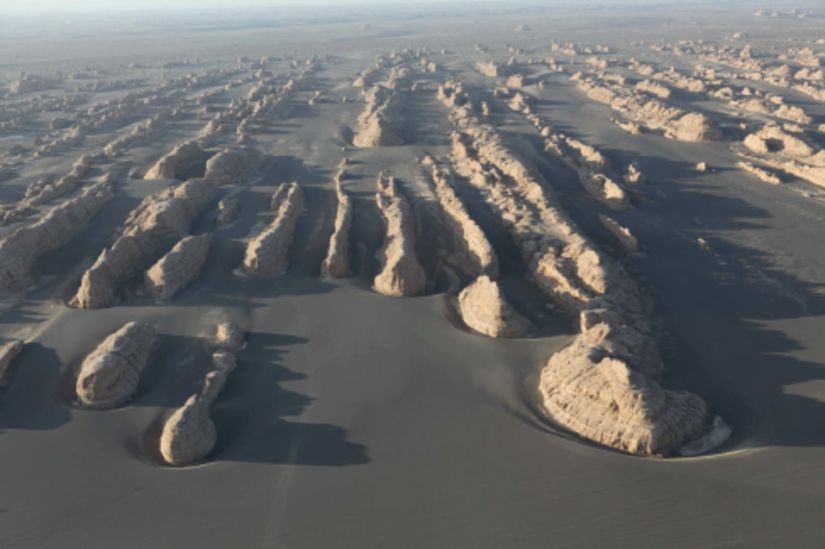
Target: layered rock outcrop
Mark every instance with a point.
(180, 266)
(178, 161)
(19, 251)
(400, 272)
(484, 309)
(109, 376)
(602, 386)
(336, 262)
(266, 253)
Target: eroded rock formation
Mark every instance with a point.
(20, 250)
(266, 253)
(189, 435)
(109, 376)
(336, 262)
(484, 309)
(178, 267)
(400, 273)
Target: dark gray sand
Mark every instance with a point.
(360, 420)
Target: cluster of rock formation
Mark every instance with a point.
(189, 434)
(165, 213)
(109, 376)
(603, 385)
(20, 250)
(400, 272)
(380, 123)
(776, 148)
(266, 253)
(336, 262)
(650, 113)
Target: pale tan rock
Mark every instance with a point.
(400, 273)
(266, 253)
(484, 309)
(701, 167)
(622, 234)
(229, 337)
(170, 211)
(336, 262)
(19, 251)
(232, 166)
(177, 161)
(692, 127)
(178, 267)
(761, 173)
(109, 376)
(189, 434)
(380, 123)
(653, 88)
(8, 352)
(468, 231)
(227, 211)
(633, 175)
(590, 389)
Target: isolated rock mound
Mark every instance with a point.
(484, 309)
(266, 254)
(178, 267)
(590, 389)
(180, 160)
(189, 435)
(400, 274)
(109, 376)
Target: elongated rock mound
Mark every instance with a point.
(336, 263)
(189, 434)
(484, 309)
(177, 162)
(467, 230)
(401, 274)
(177, 268)
(20, 250)
(8, 352)
(590, 389)
(109, 376)
(266, 254)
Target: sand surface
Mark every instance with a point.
(356, 419)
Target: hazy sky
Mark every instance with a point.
(131, 5)
(120, 5)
